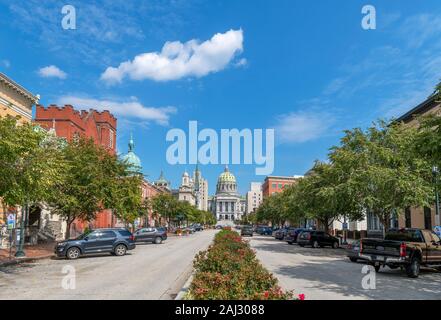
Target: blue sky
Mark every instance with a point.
(305, 68)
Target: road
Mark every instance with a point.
(326, 274)
(148, 272)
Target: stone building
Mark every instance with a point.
(15, 100)
(227, 204)
(254, 197)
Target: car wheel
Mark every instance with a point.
(335, 245)
(158, 240)
(413, 269)
(289, 242)
(120, 250)
(73, 253)
(302, 245)
(315, 244)
(353, 259)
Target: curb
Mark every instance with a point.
(24, 260)
(185, 288)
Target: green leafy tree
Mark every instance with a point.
(29, 166)
(381, 170)
(84, 189)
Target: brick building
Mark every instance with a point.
(276, 184)
(69, 123)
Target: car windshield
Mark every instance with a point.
(404, 235)
(84, 235)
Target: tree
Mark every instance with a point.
(381, 170)
(29, 165)
(84, 188)
(165, 205)
(122, 189)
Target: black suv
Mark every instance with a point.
(155, 235)
(114, 241)
(317, 239)
(293, 233)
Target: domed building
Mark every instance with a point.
(227, 204)
(131, 159)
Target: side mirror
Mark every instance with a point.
(86, 239)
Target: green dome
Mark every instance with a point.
(131, 159)
(227, 177)
(226, 183)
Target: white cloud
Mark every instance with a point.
(299, 127)
(52, 72)
(178, 60)
(126, 109)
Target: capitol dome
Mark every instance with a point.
(226, 183)
(131, 159)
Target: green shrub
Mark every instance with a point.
(229, 270)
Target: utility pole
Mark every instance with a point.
(435, 172)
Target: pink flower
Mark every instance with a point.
(301, 296)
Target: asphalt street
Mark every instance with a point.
(327, 274)
(148, 272)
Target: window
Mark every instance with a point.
(274, 186)
(125, 233)
(107, 234)
(408, 217)
(280, 186)
(111, 139)
(427, 218)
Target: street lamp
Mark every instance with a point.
(435, 172)
(20, 252)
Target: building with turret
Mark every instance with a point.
(71, 124)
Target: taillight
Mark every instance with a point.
(132, 237)
(309, 236)
(403, 249)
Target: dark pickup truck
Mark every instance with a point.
(403, 248)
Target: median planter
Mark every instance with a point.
(229, 270)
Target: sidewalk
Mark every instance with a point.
(42, 251)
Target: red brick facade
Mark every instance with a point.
(275, 184)
(70, 123)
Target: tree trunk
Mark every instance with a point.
(69, 224)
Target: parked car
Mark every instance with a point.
(353, 251)
(155, 235)
(246, 231)
(115, 241)
(280, 234)
(197, 227)
(437, 230)
(264, 231)
(408, 248)
(218, 226)
(317, 239)
(292, 234)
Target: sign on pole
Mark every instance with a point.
(11, 221)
